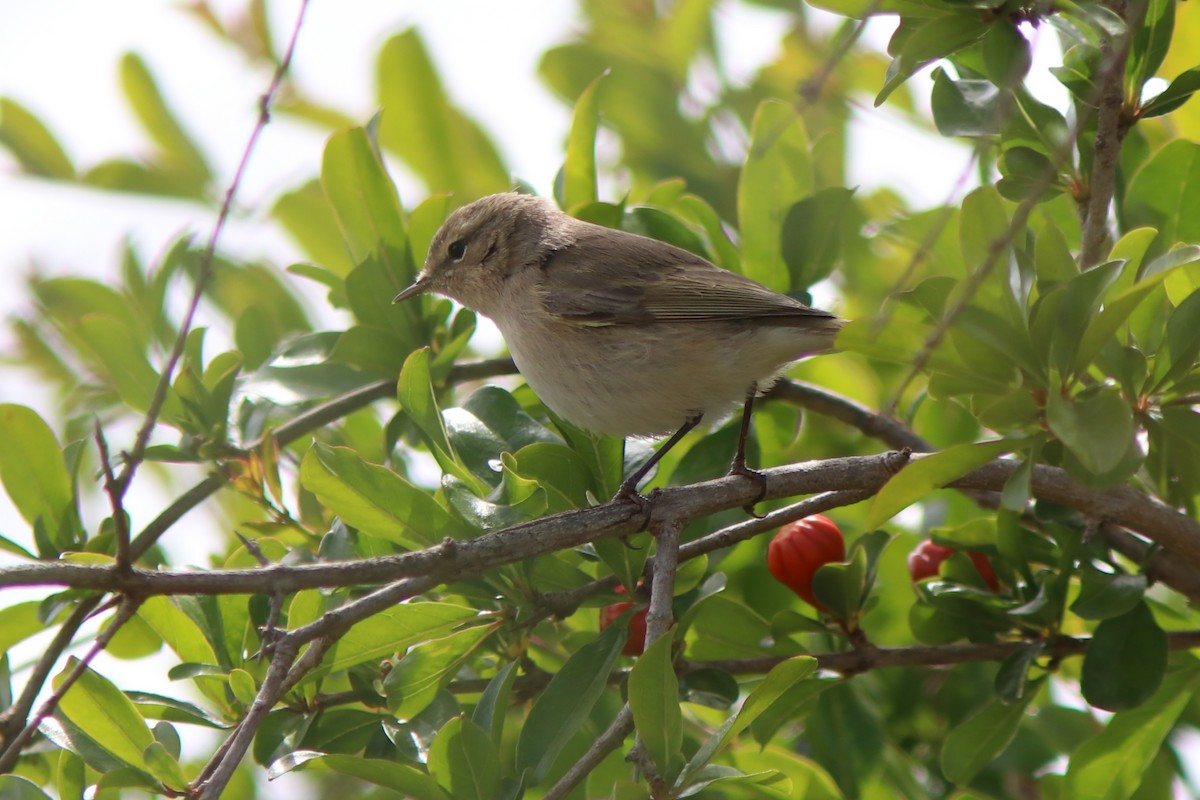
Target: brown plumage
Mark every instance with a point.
(616, 332)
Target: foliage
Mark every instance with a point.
(441, 641)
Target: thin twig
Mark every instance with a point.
(119, 517)
(8, 759)
(14, 718)
(220, 769)
(136, 455)
(847, 663)
(605, 743)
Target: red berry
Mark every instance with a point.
(800, 548)
(927, 558)
(636, 643)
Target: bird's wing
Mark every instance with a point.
(622, 278)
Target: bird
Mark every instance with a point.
(615, 332)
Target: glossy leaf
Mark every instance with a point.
(1125, 661)
(464, 761)
(1103, 594)
(776, 175)
(388, 632)
(446, 148)
(424, 670)
(1163, 193)
(105, 714)
(374, 498)
(579, 171)
(1110, 765)
(34, 474)
(566, 702)
(1097, 427)
(401, 778)
(812, 235)
(654, 701)
(980, 739)
(928, 473)
(782, 678)
(965, 107)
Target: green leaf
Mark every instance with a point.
(490, 711)
(928, 473)
(981, 738)
(1110, 765)
(964, 107)
(1176, 94)
(1104, 594)
(164, 766)
(850, 744)
(812, 235)
(567, 702)
(1012, 676)
(840, 587)
(182, 156)
(366, 206)
(1078, 72)
(1096, 426)
(1183, 340)
(783, 678)
(441, 144)
(1125, 661)
(1165, 193)
(401, 778)
(306, 215)
(927, 40)
(1149, 43)
(984, 223)
(776, 175)
(579, 171)
(35, 475)
(105, 714)
(1082, 296)
(178, 629)
(375, 499)
(1006, 53)
(32, 143)
(426, 669)
(465, 762)
(654, 700)
(1117, 309)
(418, 401)
(14, 787)
(21, 620)
(389, 632)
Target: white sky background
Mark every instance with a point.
(59, 59)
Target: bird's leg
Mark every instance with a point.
(738, 467)
(628, 490)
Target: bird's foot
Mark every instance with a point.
(628, 493)
(760, 480)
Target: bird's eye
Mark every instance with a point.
(457, 250)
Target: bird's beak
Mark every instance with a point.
(419, 286)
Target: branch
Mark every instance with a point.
(1112, 123)
(851, 662)
(1160, 565)
(453, 560)
(605, 743)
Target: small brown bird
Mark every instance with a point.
(618, 333)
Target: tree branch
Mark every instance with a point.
(1112, 123)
